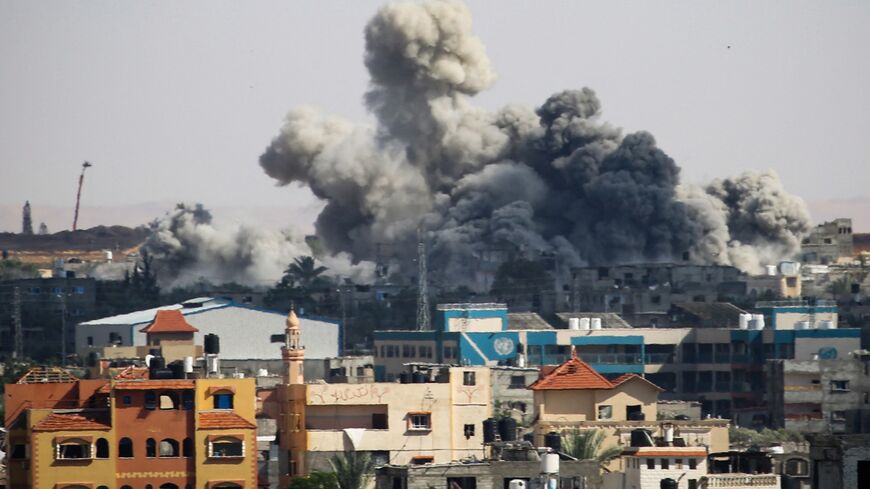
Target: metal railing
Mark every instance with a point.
(612, 358)
(740, 480)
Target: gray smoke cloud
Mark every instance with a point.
(187, 246)
(555, 180)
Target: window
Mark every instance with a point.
(126, 400)
(838, 415)
(226, 448)
(19, 451)
(380, 457)
(468, 378)
(678, 463)
(650, 463)
(791, 282)
(73, 450)
(419, 421)
(102, 448)
(168, 448)
(408, 351)
(666, 463)
(187, 447)
(90, 341)
(461, 483)
(168, 400)
(150, 400)
(422, 460)
(693, 464)
(517, 382)
(605, 412)
(223, 401)
(168, 485)
(125, 448)
(468, 431)
(839, 386)
(379, 421)
(150, 448)
(796, 466)
(693, 484)
(187, 400)
(126, 487)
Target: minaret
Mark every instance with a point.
(293, 352)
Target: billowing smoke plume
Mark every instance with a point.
(187, 247)
(555, 180)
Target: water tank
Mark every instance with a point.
(212, 344)
(669, 433)
(507, 429)
(93, 359)
(154, 352)
(418, 377)
(529, 437)
(668, 484)
(157, 362)
(108, 255)
(517, 484)
(584, 323)
(490, 430)
(744, 320)
(405, 377)
(771, 270)
(595, 323)
(177, 369)
(262, 372)
(188, 364)
(573, 323)
(641, 438)
(827, 324)
(160, 374)
(802, 325)
(790, 268)
(148, 360)
(550, 463)
(212, 364)
(553, 440)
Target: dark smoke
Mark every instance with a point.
(554, 180)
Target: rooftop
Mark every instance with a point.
(216, 420)
(47, 375)
(577, 374)
(147, 315)
(526, 320)
(169, 321)
(80, 421)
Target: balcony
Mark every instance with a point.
(612, 358)
(657, 358)
(760, 481)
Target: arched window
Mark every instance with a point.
(102, 487)
(796, 466)
(168, 448)
(102, 448)
(187, 447)
(125, 448)
(126, 487)
(168, 400)
(227, 447)
(168, 486)
(150, 448)
(228, 485)
(149, 486)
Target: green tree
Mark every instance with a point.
(304, 273)
(12, 269)
(315, 480)
(352, 470)
(587, 445)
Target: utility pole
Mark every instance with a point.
(343, 321)
(18, 352)
(423, 320)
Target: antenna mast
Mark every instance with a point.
(423, 322)
(85, 166)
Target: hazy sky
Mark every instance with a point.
(176, 100)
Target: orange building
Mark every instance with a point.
(130, 432)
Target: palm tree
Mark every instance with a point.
(353, 470)
(303, 272)
(586, 445)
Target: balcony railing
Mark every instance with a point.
(612, 358)
(762, 481)
(659, 358)
(802, 388)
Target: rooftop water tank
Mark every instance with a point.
(517, 484)
(574, 323)
(596, 323)
(584, 323)
(801, 325)
(550, 463)
(827, 324)
(744, 320)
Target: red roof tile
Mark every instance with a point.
(218, 420)
(169, 321)
(626, 377)
(134, 385)
(573, 374)
(132, 373)
(72, 422)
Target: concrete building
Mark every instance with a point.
(722, 368)
(130, 431)
(245, 333)
(828, 242)
(510, 393)
(840, 461)
(436, 419)
(821, 395)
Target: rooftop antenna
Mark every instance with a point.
(423, 322)
(85, 166)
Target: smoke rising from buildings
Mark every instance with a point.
(188, 247)
(556, 180)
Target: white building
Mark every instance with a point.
(245, 331)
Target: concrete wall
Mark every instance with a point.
(488, 475)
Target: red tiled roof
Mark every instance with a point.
(169, 321)
(72, 422)
(573, 374)
(138, 385)
(217, 420)
(626, 377)
(133, 373)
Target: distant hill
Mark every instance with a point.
(86, 244)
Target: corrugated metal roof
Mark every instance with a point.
(147, 315)
(526, 320)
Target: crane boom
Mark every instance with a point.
(85, 166)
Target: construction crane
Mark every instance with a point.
(85, 166)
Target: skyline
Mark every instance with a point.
(187, 98)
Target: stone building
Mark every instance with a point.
(840, 461)
(828, 242)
